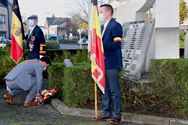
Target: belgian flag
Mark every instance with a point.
(17, 33)
(96, 47)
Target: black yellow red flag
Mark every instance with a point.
(17, 33)
(96, 47)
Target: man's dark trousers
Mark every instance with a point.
(112, 90)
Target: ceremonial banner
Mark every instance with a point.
(96, 48)
(17, 33)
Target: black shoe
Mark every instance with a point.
(114, 121)
(102, 118)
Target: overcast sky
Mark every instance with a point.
(46, 8)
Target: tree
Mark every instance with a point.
(82, 14)
(183, 11)
(83, 7)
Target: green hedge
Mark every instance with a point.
(58, 55)
(6, 63)
(52, 45)
(170, 83)
(166, 94)
(74, 84)
(78, 85)
(55, 76)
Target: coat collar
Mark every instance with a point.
(33, 31)
(107, 27)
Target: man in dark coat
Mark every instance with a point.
(111, 37)
(35, 39)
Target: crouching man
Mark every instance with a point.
(26, 76)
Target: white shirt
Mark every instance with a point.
(105, 25)
(31, 30)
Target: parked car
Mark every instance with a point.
(3, 42)
(83, 41)
(54, 38)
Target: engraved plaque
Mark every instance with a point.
(135, 44)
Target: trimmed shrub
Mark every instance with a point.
(80, 56)
(59, 55)
(6, 63)
(78, 85)
(166, 94)
(170, 83)
(52, 45)
(55, 75)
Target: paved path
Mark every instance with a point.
(38, 115)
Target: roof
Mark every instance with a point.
(56, 21)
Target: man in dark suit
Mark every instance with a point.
(35, 39)
(111, 37)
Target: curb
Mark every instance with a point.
(126, 117)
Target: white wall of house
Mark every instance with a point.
(53, 30)
(4, 22)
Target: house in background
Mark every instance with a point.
(58, 26)
(4, 32)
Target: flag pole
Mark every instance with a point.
(96, 106)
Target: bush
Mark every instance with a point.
(55, 75)
(80, 56)
(52, 45)
(170, 83)
(166, 94)
(74, 55)
(6, 63)
(182, 38)
(78, 85)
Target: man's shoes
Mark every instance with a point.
(8, 98)
(114, 121)
(102, 118)
(29, 103)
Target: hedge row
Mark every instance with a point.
(55, 76)
(167, 94)
(78, 85)
(73, 83)
(6, 63)
(170, 83)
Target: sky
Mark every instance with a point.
(46, 8)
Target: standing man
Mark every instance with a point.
(26, 76)
(111, 37)
(35, 39)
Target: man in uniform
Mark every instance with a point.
(26, 76)
(35, 39)
(111, 37)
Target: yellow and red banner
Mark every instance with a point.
(96, 48)
(17, 33)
